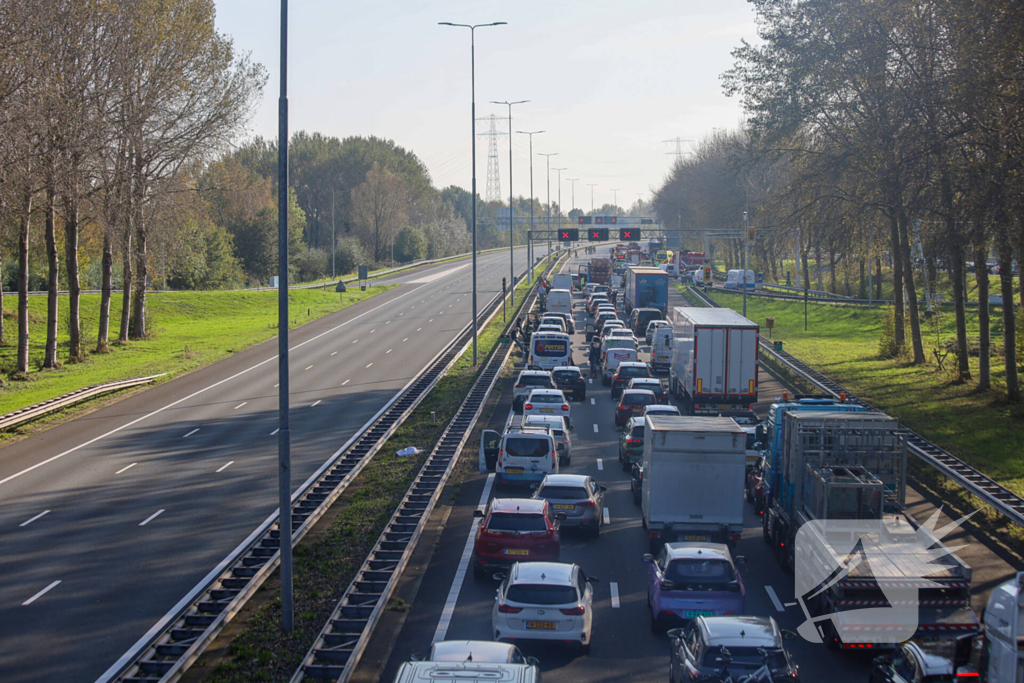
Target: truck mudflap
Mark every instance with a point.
(856, 629)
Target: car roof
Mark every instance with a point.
(636, 422)
(547, 392)
(646, 380)
(934, 657)
(698, 551)
(557, 573)
(634, 392)
(579, 480)
(633, 364)
(533, 373)
(471, 650)
(555, 420)
(526, 506)
(567, 367)
(659, 408)
(741, 631)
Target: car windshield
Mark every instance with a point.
(511, 521)
(619, 342)
(535, 380)
(637, 433)
(563, 493)
(636, 399)
(531, 594)
(565, 376)
(545, 398)
(632, 372)
(746, 657)
(693, 573)
(526, 447)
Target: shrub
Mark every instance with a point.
(887, 346)
(349, 255)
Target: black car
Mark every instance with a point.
(636, 482)
(640, 317)
(730, 648)
(570, 380)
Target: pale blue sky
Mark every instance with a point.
(608, 81)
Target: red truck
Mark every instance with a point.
(600, 271)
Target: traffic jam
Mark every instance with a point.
(642, 502)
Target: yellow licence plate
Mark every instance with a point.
(695, 538)
(517, 551)
(513, 470)
(546, 625)
(563, 506)
(547, 410)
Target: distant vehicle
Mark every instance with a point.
(653, 384)
(631, 443)
(549, 319)
(514, 529)
(626, 371)
(547, 402)
(661, 349)
(578, 497)
(641, 317)
(632, 404)
(545, 601)
(526, 455)
(549, 350)
(645, 288)
(559, 301)
(659, 409)
(570, 380)
(601, 270)
(651, 327)
(690, 580)
(527, 382)
(612, 360)
(559, 431)
(561, 281)
(570, 325)
(731, 648)
(734, 280)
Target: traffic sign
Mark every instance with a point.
(629, 234)
(585, 220)
(597, 234)
(568, 234)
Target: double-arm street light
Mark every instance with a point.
(548, 159)
(592, 186)
(472, 96)
(529, 261)
(511, 211)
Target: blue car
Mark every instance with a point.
(690, 580)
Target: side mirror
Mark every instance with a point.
(533, 661)
(593, 579)
(417, 657)
(759, 433)
(533, 487)
(789, 635)
(675, 634)
(602, 488)
(498, 576)
(648, 558)
(572, 428)
(740, 559)
(478, 513)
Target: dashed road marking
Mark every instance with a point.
(345, 382)
(775, 599)
(275, 431)
(125, 469)
(310, 367)
(607, 518)
(151, 517)
(224, 467)
(335, 353)
(26, 523)
(600, 464)
(615, 594)
(317, 403)
(595, 429)
(593, 402)
(40, 594)
(191, 433)
(368, 366)
(240, 405)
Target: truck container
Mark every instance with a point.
(839, 491)
(1003, 651)
(693, 479)
(645, 288)
(714, 364)
(600, 271)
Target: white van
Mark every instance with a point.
(559, 301)
(561, 281)
(527, 455)
(548, 350)
(735, 280)
(467, 672)
(661, 349)
(611, 362)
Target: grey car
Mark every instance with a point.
(578, 497)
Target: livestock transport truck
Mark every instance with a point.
(868, 574)
(714, 365)
(600, 271)
(645, 287)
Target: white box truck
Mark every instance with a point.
(694, 469)
(714, 364)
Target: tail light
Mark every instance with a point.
(574, 611)
(505, 609)
(554, 460)
(667, 585)
(565, 406)
(959, 674)
(529, 406)
(585, 504)
(634, 442)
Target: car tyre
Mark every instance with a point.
(625, 464)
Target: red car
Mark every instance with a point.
(515, 530)
(626, 371)
(632, 404)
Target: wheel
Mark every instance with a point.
(625, 464)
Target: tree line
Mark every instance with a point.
(877, 132)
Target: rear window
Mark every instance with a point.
(637, 433)
(697, 573)
(637, 399)
(546, 398)
(526, 447)
(630, 372)
(752, 657)
(549, 347)
(565, 376)
(509, 521)
(540, 594)
(563, 493)
(535, 381)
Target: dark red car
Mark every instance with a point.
(514, 530)
(570, 380)
(632, 404)
(626, 371)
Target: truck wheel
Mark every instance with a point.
(764, 530)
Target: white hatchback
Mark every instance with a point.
(544, 601)
(547, 402)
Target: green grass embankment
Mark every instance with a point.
(188, 330)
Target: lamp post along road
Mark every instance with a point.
(592, 186)
(472, 118)
(547, 158)
(615, 197)
(284, 464)
(511, 211)
(531, 134)
(559, 170)
(334, 240)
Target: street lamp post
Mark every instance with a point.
(472, 90)
(564, 168)
(529, 269)
(572, 195)
(592, 186)
(547, 158)
(615, 197)
(746, 245)
(511, 211)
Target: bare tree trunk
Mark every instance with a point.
(862, 290)
(807, 274)
(2, 340)
(963, 365)
(899, 331)
(878, 278)
(23, 333)
(52, 280)
(126, 286)
(74, 287)
(817, 261)
(915, 320)
(984, 324)
(1009, 319)
(832, 271)
(103, 335)
(138, 327)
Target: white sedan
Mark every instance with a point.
(544, 601)
(547, 402)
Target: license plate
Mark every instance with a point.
(693, 613)
(695, 538)
(513, 470)
(545, 625)
(547, 410)
(517, 551)
(563, 506)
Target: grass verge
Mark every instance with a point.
(253, 647)
(188, 330)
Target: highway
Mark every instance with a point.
(624, 648)
(108, 520)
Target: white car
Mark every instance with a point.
(559, 430)
(547, 402)
(661, 409)
(544, 601)
(527, 382)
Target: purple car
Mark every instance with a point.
(690, 580)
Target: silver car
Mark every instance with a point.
(578, 497)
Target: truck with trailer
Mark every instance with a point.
(645, 288)
(693, 479)
(600, 271)
(714, 363)
(837, 509)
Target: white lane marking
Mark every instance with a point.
(430, 321)
(389, 322)
(40, 594)
(345, 382)
(355, 341)
(387, 352)
(600, 464)
(151, 518)
(277, 385)
(315, 404)
(26, 523)
(368, 366)
(775, 599)
(590, 381)
(592, 402)
(240, 405)
(310, 367)
(607, 517)
(418, 329)
(372, 331)
(460, 573)
(193, 395)
(191, 433)
(406, 339)
(595, 429)
(125, 469)
(224, 467)
(275, 431)
(335, 353)
(402, 313)
(615, 594)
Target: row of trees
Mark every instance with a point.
(891, 128)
